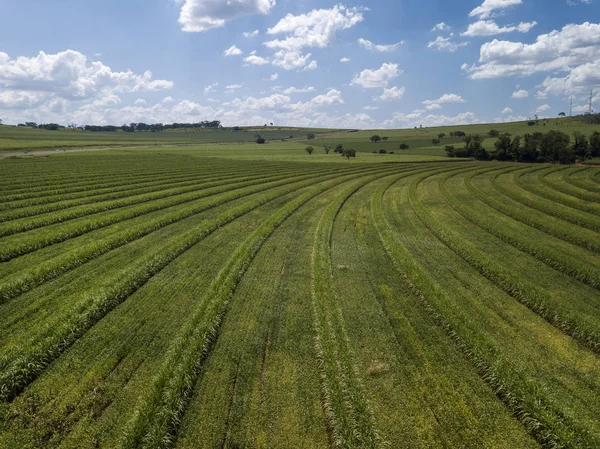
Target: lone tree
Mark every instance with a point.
(259, 139)
(339, 148)
(375, 138)
(450, 151)
(494, 133)
(310, 136)
(562, 114)
(404, 146)
(310, 150)
(348, 153)
(441, 136)
(435, 142)
(327, 149)
(385, 138)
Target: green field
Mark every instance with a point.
(13, 138)
(252, 296)
(20, 139)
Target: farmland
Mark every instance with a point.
(240, 295)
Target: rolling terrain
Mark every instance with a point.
(247, 296)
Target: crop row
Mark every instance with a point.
(23, 281)
(37, 205)
(29, 223)
(108, 185)
(532, 184)
(583, 183)
(422, 390)
(541, 418)
(345, 404)
(561, 261)
(510, 187)
(45, 187)
(49, 235)
(533, 300)
(20, 368)
(560, 185)
(156, 419)
(43, 191)
(532, 218)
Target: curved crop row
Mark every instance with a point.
(24, 281)
(47, 188)
(563, 187)
(582, 183)
(157, 418)
(35, 206)
(21, 245)
(123, 184)
(42, 220)
(589, 338)
(555, 196)
(547, 256)
(18, 369)
(345, 403)
(413, 275)
(546, 206)
(529, 218)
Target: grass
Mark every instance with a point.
(20, 138)
(242, 295)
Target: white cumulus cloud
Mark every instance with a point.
(543, 108)
(54, 80)
(371, 79)
(441, 27)
(490, 7)
(295, 90)
(418, 118)
(232, 51)
(380, 48)
(256, 60)
(507, 110)
(211, 88)
(446, 98)
(446, 44)
(491, 28)
(202, 15)
(291, 60)
(564, 50)
(316, 29)
(519, 94)
(392, 94)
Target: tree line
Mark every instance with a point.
(553, 146)
(132, 127)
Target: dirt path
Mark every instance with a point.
(30, 153)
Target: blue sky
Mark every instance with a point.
(363, 64)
